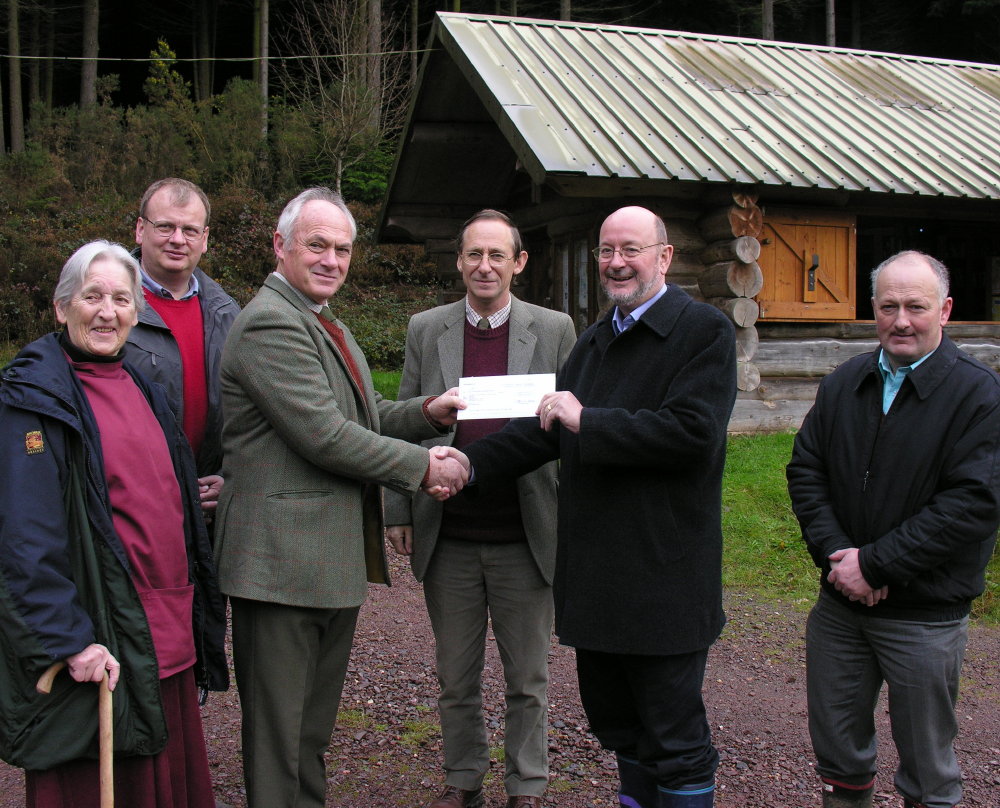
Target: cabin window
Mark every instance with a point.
(576, 286)
(970, 250)
(808, 263)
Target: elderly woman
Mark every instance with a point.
(104, 561)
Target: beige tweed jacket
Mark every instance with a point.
(299, 520)
(540, 340)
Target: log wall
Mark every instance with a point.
(731, 277)
(793, 358)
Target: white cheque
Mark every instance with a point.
(503, 396)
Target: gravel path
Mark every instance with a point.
(386, 750)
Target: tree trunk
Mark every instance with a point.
(747, 343)
(565, 9)
(34, 51)
(725, 223)
(50, 52)
(3, 139)
(731, 279)
(88, 71)
(747, 376)
(263, 34)
(831, 23)
(767, 19)
(744, 248)
(15, 105)
(856, 23)
(206, 15)
(374, 71)
(741, 310)
(414, 40)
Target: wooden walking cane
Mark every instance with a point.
(106, 742)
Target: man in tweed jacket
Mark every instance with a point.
(306, 446)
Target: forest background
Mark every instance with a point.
(256, 99)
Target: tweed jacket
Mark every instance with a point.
(639, 560)
(305, 449)
(540, 340)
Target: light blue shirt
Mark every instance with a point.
(620, 323)
(893, 380)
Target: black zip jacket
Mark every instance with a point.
(916, 489)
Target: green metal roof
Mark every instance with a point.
(576, 101)
(629, 102)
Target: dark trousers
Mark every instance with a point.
(290, 665)
(849, 654)
(649, 708)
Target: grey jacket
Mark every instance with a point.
(152, 349)
(540, 340)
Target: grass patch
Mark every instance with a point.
(387, 382)
(987, 607)
(8, 350)
(419, 733)
(763, 550)
(354, 719)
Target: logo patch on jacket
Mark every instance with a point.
(34, 443)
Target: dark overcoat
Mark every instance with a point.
(639, 558)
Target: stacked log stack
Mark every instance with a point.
(732, 278)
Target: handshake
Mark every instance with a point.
(447, 474)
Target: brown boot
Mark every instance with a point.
(524, 801)
(455, 797)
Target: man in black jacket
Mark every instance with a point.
(179, 337)
(894, 480)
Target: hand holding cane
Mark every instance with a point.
(105, 730)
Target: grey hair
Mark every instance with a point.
(74, 272)
(940, 270)
(289, 218)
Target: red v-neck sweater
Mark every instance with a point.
(184, 319)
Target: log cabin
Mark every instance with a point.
(785, 174)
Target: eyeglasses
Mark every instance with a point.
(189, 231)
(605, 254)
(473, 258)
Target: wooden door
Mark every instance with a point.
(808, 262)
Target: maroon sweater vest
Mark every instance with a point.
(494, 515)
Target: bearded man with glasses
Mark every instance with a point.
(179, 337)
(638, 424)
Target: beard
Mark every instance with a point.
(633, 298)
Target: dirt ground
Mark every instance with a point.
(386, 750)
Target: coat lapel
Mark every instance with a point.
(364, 405)
(521, 343)
(451, 345)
